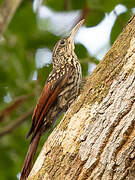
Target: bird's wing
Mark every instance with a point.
(48, 96)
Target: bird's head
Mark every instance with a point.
(65, 46)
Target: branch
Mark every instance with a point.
(13, 106)
(11, 127)
(7, 11)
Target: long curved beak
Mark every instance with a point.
(75, 29)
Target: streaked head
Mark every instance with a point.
(66, 45)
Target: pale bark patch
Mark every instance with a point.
(38, 164)
(115, 120)
(75, 127)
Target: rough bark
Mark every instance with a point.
(96, 138)
(7, 10)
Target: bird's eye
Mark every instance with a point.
(62, 41)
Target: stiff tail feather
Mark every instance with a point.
(28, 162)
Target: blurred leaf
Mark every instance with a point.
(4, 80)
(79, 4)
(3, 75)
(63, 5)
(6, 163)
(103, 5)
(59, 6)
(120, 22)
(84, 69)
(24, 22)
(128, 3)
(44, 72)
(94, 17)
(1, 2)
(44, 39)
(3, 92)
(80, 51)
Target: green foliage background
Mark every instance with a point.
(17, 66)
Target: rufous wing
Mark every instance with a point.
(47, 98)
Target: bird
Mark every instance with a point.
(60, 90)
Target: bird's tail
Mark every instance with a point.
(28, 162)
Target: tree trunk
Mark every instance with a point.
(96, 138)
